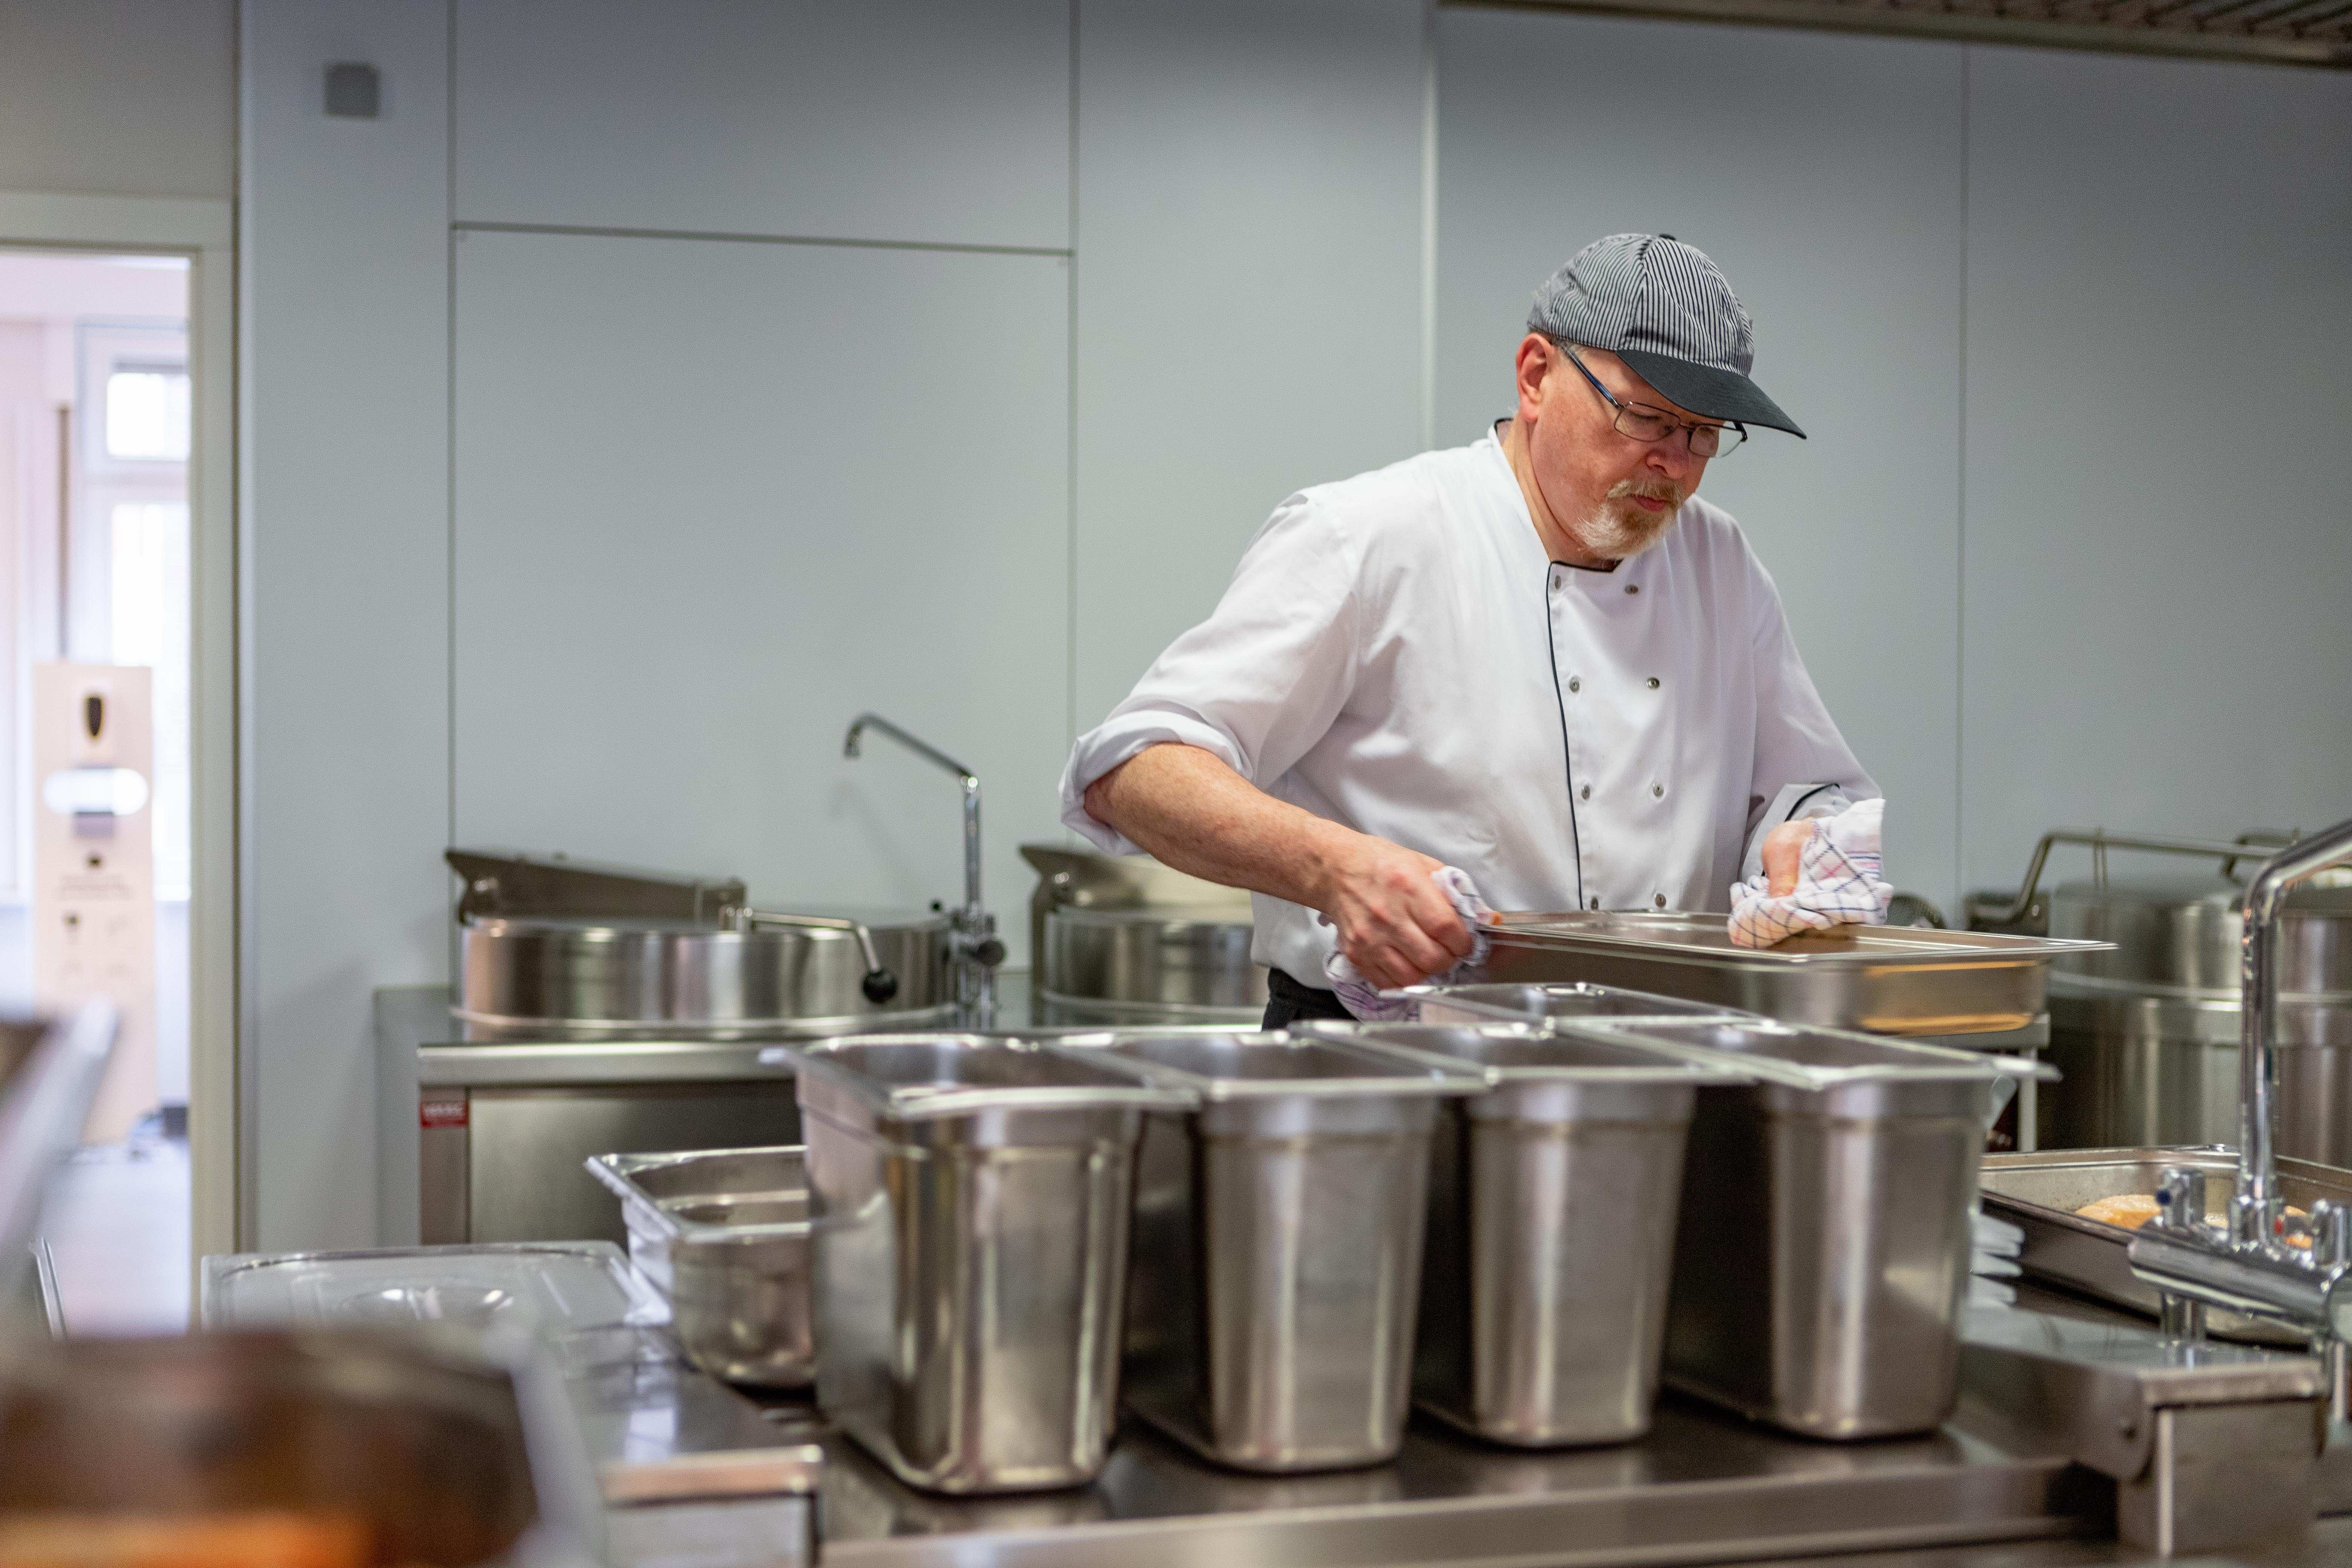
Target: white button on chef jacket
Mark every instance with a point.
(1395, 653)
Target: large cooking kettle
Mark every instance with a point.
(556, 947)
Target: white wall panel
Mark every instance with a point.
(2159, 376)
(885, 119)
(1249, 291)
(344, 318)
(716, 497)
(1824, 173)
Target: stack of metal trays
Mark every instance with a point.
(1971, 987)
(724, 1233)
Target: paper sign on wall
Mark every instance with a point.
(94, 868)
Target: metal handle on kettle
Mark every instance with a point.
(879, 984)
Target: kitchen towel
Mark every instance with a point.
(1838, 883)
(1363, 998)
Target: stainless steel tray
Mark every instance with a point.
(724, 1233)
(1884, 979)
(2039, 1194)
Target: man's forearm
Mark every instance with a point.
(1192, 811)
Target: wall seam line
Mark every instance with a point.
(1960, 528)
(1070, 434)
(598, 231)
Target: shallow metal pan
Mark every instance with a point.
(1910, 981)
(2039, 1193)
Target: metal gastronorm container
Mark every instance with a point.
(1905, 980)
(1823, 1251)
(971, 1198)
(1277, 1250)
(2039, 1193)
(445, 1449)
(724, 1233)
(1552, 1200)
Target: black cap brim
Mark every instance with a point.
(1717, 393)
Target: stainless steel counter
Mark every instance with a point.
(1701, 1486)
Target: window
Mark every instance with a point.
(147, 413)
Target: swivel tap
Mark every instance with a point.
(973, 949)
(2258, 1260)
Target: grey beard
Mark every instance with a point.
(1618, 535)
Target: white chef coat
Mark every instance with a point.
(1395, 653)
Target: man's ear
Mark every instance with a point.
(1532, 365)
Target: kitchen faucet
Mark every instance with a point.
(2258, 1260)
(973, 949)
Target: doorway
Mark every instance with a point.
(96, 843)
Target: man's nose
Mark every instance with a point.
(1671, 458)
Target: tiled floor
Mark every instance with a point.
(117, 1227)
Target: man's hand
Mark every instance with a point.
(1784, 850)
(1194, 813)
(1395, 924)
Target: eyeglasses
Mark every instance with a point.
(1644, 423)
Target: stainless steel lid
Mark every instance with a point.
(556, 1286)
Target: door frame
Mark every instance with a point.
(204, 231)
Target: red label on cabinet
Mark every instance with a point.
(441, 1113)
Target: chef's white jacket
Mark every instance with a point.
(1396, 653)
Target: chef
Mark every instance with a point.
(1538, 658)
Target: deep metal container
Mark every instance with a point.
(971, 1198)
(1822, 1250)
(724, 1233)
(1277, 1253)
(1552, 1200)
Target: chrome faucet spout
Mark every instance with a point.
(977, 950)
(2253, 1212)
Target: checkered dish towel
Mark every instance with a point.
(1838, 883)
(1363, 998)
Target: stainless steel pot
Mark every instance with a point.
(1123, 939)
(1170, 962)
(556, 949)
(585, 977)
(2146, 1033)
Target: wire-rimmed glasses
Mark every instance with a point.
(1644, 423)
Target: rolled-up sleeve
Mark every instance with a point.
(1803, 766)
(1257, 683)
